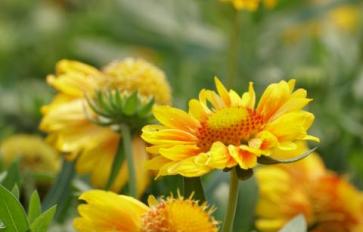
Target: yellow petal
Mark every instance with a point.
(222, 91)
(249, 98)
(197, 110)
(179, 152)
(175, 118)
(107, 211)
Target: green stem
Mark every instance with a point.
(116, 164)
(233, 50)
(127, 145)
(232, 202)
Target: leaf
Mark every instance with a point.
(297, 224)
(61, 190)
(42, 222)
(146, 108)
(13, 176)
(130, 104)
(247, 201)
(3, 176)
(15, 191)
(12, 213)
(35, 208)
(2, 225)
(268, 160)
(193, 185)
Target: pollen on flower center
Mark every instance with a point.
(156, 219)
(178, 215)
(230, 126)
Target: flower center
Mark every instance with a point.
(178, 215)
(229, 126)
(156, 219)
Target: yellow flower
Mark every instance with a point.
(70, 130)
(251, 5)
(328, 202)
(33, 153)
(223, 129)
(345, 18)
(107, 211)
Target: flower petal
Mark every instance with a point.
(175, 118)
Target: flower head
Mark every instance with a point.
(67, 122)
(328, 202)
(251, 5)
(107, 211)
(223, 130)
(32, 152)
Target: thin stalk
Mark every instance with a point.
(232, 202)
(116, 164)
(127, 145)
(233, 49)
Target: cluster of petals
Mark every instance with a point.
(67, 122)
(223, 129)
(328, 202)
(107, 211)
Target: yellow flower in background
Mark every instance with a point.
(251, 5)
(328, 202)
(67, 122)
(223, 130)
(344, 18)
(107, 211)
(32, 152)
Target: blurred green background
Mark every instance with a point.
(318, 42)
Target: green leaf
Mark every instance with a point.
(268, 160)
(297, 224)
(12, 213)
(42, 222)
(146, 108)
(131, 104)
(61, 190)
(193, 185)
(3, 176)
(13, 176)
(2, 225)
(15, 191)
(35, 208)
(247, 201)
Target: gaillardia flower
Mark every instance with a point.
(67, 121)
(328, 202)
(223, 130)
(251, 5)
(33, 153)
(107, 211)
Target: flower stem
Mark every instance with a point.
(233, 49)
(232, 202)
(127, 145)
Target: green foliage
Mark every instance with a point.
(13, 217)
(12, 213)
(35, 208)
(113, 108)
(12, 177)
(42, 222)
